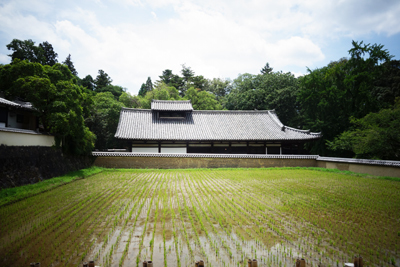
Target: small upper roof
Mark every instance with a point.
(144, 124)
(170, 105)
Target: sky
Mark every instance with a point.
(135, 39)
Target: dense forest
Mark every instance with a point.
(354, 101)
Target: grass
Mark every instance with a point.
(10, 195)
(222, 216)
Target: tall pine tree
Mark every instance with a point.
(70, 65)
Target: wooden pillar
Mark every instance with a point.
(248, 149)
(159, 147)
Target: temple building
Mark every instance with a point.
(174, 127)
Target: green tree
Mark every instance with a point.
(116, 90)
(266, 69)
(129, 100)
(25, 50)
(187, 74)
(70, 65)
(220, 88)
(329, 96)
(202, 100)
(161, 91)
(142, 90)
(88, 82)
(103, 121)
(373, 136)
(102, 80)
(199, 82)
(388, 83)
(50, 56)
(275, 90)
(166, 76)
(191, 80)
(146, 87)
(60, 103)
(149, 84)
(171, 79)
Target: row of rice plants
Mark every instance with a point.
(307, 203)
(154, 194)
(244, 218)
(79, 242)
(106, 249)
(221, 216)
(39, 236)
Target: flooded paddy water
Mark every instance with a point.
(224, 217)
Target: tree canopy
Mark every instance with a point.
(353, 101)
(374, 136)
(329, 96)
(275, 90)
(60, 103)
(70, 65)
(26, 50)
(102, 80)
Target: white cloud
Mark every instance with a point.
(296, 51)
(214, 38)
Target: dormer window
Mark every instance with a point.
(171, 115)
(175, 110)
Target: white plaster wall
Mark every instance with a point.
(145, 149)
(179, 150)
(23, 139)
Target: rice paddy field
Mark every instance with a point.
(222, 216)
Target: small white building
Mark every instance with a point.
(19, 125)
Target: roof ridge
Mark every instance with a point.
(207, 110)
(275, 118)
(170, 101)
(136, 109)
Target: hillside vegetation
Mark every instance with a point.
(353, 101)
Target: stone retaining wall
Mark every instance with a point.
(20, 165)
(198, 162)
(373, 167)
(182, 161)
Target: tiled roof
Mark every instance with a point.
(142, 124)
(16, 103)
(8, 102)
(27, 105)
(362, 161)
(168, 105)
(172, 155)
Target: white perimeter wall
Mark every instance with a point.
(24, 139)
(145, 149)
(179, 150)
